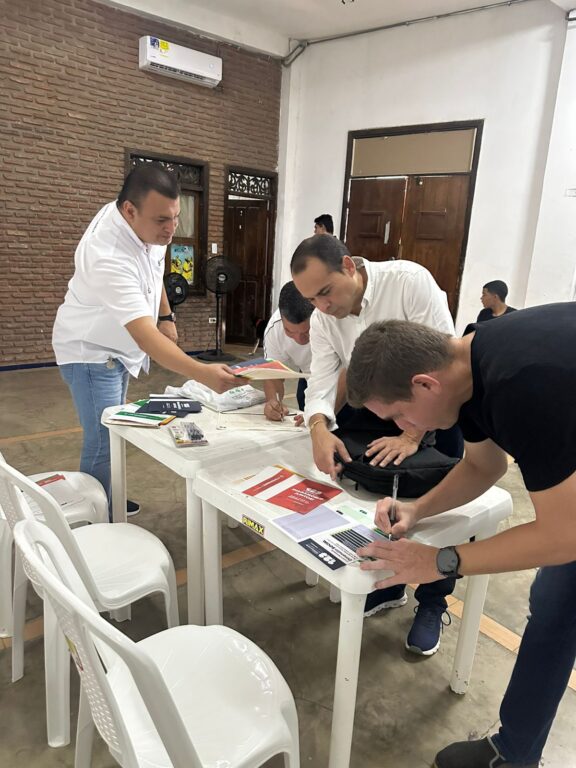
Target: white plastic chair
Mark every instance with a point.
(119, 564)
(188, 697)
(92, 508)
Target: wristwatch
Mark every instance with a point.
(171, 318)
(448, 563)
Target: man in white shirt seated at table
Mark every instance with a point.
(287, 339)
(116, 316)
(350, 294)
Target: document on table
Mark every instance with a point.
(329, 528)
(255, 421)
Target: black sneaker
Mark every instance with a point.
(475, 754)
(424, 637)
(391, 597)
(132, 508)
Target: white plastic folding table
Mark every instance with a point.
(217, 487)
(186, 462)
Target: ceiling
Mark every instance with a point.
(272, 26)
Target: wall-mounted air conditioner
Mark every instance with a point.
(172, 60)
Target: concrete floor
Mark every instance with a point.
(405, 711)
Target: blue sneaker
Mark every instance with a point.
(475, 754)
(391, 597)
(424, 637)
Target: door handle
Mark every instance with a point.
(387, 233)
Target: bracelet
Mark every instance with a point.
(315, 423)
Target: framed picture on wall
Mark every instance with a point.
(183, 258)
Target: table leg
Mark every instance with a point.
(194, 555)
(212, 563)
(312, 578)
(349, 644)
(469, 628)
(118, 472)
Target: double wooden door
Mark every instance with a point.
(419, 218)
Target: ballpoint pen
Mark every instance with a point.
(281, 406)
(394, 497)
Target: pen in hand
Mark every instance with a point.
(281, 406)
(394, 497)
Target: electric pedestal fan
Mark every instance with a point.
(222, 276)
(176, 289)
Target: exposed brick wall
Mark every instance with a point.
(72, 100)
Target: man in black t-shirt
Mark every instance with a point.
(510, 386)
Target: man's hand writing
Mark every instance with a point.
(273, 410)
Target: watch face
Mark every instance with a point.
(447, 560)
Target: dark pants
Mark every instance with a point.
(302, 384)
(543, 667)
(361, 419)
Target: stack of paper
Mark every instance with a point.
(128, 415)
(60, 489)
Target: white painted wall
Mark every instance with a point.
(501, 65)
(553, 274)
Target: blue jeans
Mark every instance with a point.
(94, 387)
(542, 670)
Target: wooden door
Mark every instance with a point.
(434, 228)
(375, 212)
(246, 233)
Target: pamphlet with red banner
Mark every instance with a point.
(289, 490)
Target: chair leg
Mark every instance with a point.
(57, 673)
(292, 755)
(171, 600)
(5, 579)
(84, 733)
(19, 618)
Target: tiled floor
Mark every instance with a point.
(405, 710)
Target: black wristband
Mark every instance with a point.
(169, 318)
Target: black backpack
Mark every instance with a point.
(417, 474)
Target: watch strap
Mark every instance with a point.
(170, 318)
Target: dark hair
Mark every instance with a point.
(328, 249)
(293, 306)
(325, 220)
(498, 287)
(145, 178)
(386, 357)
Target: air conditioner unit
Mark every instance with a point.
(172, 60)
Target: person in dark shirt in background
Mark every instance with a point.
(494, 301)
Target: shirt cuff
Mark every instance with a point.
(320, 406)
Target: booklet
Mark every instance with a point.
(60, 489)
(284, 488)
(130, 414)
(264, 369)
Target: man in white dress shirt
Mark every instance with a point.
(349, 295)
(287, 339)
(116, 315)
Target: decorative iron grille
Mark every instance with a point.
(187, 175)
(249, 185)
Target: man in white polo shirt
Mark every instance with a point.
(287, 339)
(116, 315)
(349, 295)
